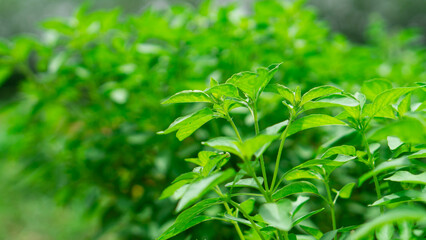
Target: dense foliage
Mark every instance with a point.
(397, 173)
(81, 106)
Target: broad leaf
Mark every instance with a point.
(372, 88)
(407, 177)
(300, 174)
(277, 214)
(419, 154)
(296, 187)
(190, 218)
(311, 121)
(188, 96)
(394, 142)
(334, 100)
(393, 215)
(388, 97)
(318, 92)
(401, 197)
(392, 164)
(170, 190)
(223, 90)
(197, 189)
(248, 205)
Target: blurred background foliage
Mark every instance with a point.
(80, 97)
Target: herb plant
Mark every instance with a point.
(260, 203)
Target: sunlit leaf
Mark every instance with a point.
(391, 164)
(281, 90)
(401, 197)
(318, 92)
(407, 177)
(246, 182)
(311, 121)
(372, 88)
(188, 96)
(346, 191)
(306, 216)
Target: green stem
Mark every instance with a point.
(371, 165)
(229, 211)
(255, 227)
(262, 162)
(280, 150)
(331, 204)
(250, 169)
(285, 235)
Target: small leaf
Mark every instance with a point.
(197, 189)
(393, 215)
(226, 144)
(318, 92)
(246, 182)
(170, 190)
(394, 142)
(277, 214)
(296, 187)
(317, 234)
(188, 96)
(405, 105)
(300, 174)
(281, 90)
(248, 205)
(213, 82)
(190, 218)
(344, 150)
(186, 125)
(306, 216)
(346, 191)
(276, 128)
(407, 177)
(311, 121)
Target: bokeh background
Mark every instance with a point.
(81, 84)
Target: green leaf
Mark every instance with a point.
(170, 190)
(296, 187)
(317, 234)
(240, 220)
(197, 189)
(339, 161)
(246, 182)
(223, 90)
(388, 97)
(318, 92)
(252, 84)
(372, 88)
(187, 125)
(300, 174)
(346, 191)
(419, 154)
(306, 216)
(226, 144)
(215, 161)
(393, 215)
(213, 82)
(405, 105)
(298, 204)
(407, 177)
(334, 100)
(391, 164)
(256, 145)
(281, 90)
(248, 205)
(190, 218)
(311, 121)
(277, 214)
(188, 96)
(409, 130)
(385, 232)
(276, 128)
(394, 142)
(401, 197)
(343, 150)
(185, 176)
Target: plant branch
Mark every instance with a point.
(255, 227)
(229, 211)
